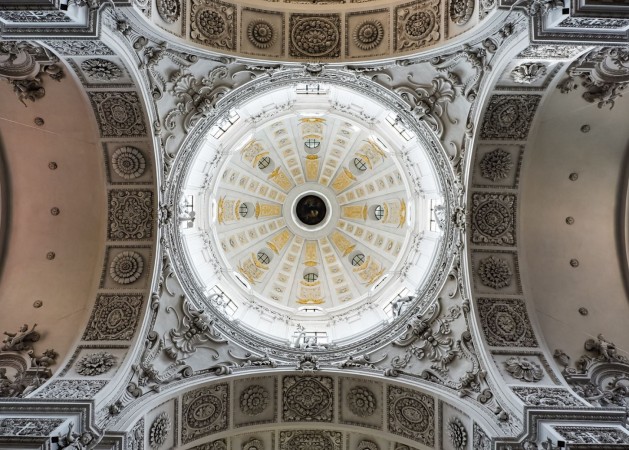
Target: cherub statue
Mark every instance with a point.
(75, 441)
(20, 341)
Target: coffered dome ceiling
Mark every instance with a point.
(314, 214)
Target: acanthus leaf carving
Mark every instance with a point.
(430, 103)
(195, 329)
(195, 98)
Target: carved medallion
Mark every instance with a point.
(493, 219)
(160, 428)
(101, 69)
(169, 10)
(204, 411)
(509, 117)
(118, 113)
(461, 11)
(114, 317)
(361, 401)
(213, 23)
(126, 267)
(416, 25)
(315, 35)
(496, 165)
(308, 398)
(261, 34)
(494, 272)
(128, 162)
(506, 323)
(254, 400)
(95, 364)
(368, 34)
(411, 414)
(130, 214)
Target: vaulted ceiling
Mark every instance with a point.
(285, 225)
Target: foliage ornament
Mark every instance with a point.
(361, 401)
(496, 165)
(253, 444)
(494, 272)
(368, 34)
(523, 369)
(95, 364)
(254, 400)
(528, 73)
(101, 69)
(195, 98)
(160, 428)
(457, 433)
(128, 162)
(195, 329)
(261, 34)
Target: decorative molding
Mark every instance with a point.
(71, 389)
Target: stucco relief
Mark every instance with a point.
(214, 24)
(493, 219)
(509, 117)
(308, 399)
(417, 25)
(130, 214)
(114, 317)
(307, 439)
(119, 114)
(204, 411)
(411, 415)
(315, 35)
(506, 323)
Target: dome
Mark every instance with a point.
(320, 215)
